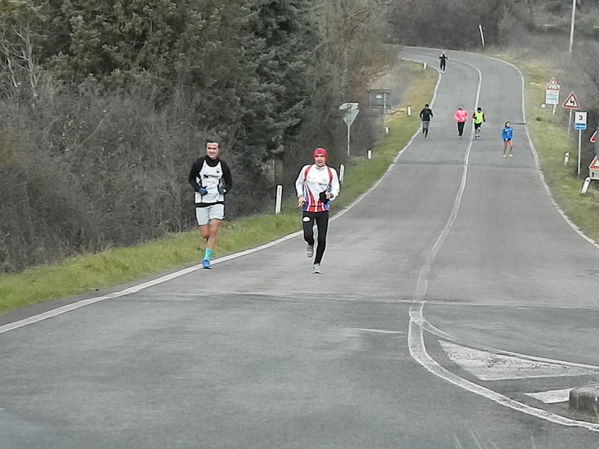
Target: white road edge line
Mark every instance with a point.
(445, 336)
(136, 288)
(380, 331)
(416, 333)
(419, 353)
(538, 164)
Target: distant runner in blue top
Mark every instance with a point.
(506, 135)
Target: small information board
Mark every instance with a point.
(552, 92)
(580, 120)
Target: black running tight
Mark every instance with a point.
(322, 225)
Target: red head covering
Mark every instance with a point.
(320, 152)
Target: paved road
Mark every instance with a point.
(456, 309)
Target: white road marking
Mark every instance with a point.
(490, 366)
(419, 353)
(552, 396)
(176, 274)
(448, 337)
(416, 328)
(381, 331)
(540, 172)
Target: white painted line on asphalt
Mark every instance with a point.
(540, 171)
(444, 335)
(419, 353)
(491, 366)
(416, 331)
(552, 396)
(381, 331)
(171, 276)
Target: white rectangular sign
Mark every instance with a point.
(580, 120)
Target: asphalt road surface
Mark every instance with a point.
(456, 309)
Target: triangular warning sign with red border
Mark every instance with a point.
(571, 102)
(594, 165)
(593, 138)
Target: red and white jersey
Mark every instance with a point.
(313, 180)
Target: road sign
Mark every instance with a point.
(351, 112)
(593, 138)
(580, 120)
(552, 92)
(571, 102)
(594, 168)
(552, 84)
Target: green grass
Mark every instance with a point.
(87, 273)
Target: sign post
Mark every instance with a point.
(351, 111)
(580, 123)
(552, 93)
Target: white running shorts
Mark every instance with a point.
(214, 212)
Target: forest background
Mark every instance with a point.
(105, 105)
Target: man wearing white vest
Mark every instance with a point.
(316, 186)
(211, 180)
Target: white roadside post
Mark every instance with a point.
(580, 123)
(566, 157)
(351, 111)
(482, 35)
(341, 173)
(585, 185)
(278, 199)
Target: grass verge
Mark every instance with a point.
(87, 273)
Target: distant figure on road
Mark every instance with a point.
(211, 179)
(479, 118)
(442, 61)
(506, 136)
(316, 185)
(460, 116)
(425, 115)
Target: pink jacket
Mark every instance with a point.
(460, 115)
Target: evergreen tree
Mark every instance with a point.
(118, 41)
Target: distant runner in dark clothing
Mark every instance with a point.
(442, 61)
(425, 115)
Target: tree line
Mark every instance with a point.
(105, 105)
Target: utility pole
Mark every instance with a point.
(572, 25)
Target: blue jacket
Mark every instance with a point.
(506, 133)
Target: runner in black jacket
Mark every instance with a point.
(211, 179)
(425, 115)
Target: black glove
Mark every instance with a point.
(202, 190)
(323, 197)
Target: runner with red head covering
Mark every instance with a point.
(316, 186)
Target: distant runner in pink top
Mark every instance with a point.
(460, 117)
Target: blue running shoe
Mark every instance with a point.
(206, 264)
